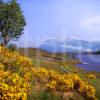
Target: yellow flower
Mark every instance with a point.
(92, 76)
(52, 85)
(17, 75)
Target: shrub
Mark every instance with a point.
(91, 76)
(12, 86)
(12, 46)
(17, 75)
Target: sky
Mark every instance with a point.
(60, 19)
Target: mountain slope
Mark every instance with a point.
(72, 45)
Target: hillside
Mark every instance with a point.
(54, 60)
(20, 80)
(43, 58)
(70, 45)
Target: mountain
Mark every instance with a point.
(70, 45)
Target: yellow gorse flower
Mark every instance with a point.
(91, 76)
(17, 74)
(12, 87)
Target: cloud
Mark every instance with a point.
(75, 37)
(76, 47)
(92, 23)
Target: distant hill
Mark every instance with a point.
(71, 45)
(36, 53)
(48, 59)
(97, 52)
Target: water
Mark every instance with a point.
(90, 62)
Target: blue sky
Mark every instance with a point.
(61, 19)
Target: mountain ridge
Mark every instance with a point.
(70, 45)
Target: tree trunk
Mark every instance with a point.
(5, 42)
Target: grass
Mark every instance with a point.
(43, 95)
(43, 58)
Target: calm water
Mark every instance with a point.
(89, 61)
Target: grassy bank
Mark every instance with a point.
(54, 60)
(23, 78)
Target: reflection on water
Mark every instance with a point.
(89, 61)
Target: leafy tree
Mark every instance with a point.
(12, 46)
(12, 21)
(1, 1)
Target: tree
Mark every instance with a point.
(12, 21)
(1, 1)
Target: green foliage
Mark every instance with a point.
(12, 21)
(43, 95)
(12, 46)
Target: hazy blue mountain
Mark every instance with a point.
(70, 45)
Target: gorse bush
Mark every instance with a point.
(64, 83)
(13, 61)
(13, 67)
(18, 77)
(91, 76)
(12, 46)
(12, 86)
